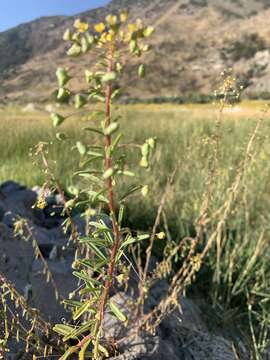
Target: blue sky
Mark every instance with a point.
(14, 12)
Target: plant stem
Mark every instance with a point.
(108, 164)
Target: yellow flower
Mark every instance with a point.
(124, 16)
(109, 37)
(100, 27)
(111, 20)
(132, 27)
(81, 26)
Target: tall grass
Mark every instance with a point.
(236, 272)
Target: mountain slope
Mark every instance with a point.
(194, 42)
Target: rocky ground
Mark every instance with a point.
(183, 335)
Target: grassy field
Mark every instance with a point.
(238, 265)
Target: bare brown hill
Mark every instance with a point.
(194, 42)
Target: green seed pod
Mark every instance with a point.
(141, 71)
(152, 143)
(109, 77)
(145, 191)
(133, 46)
(145, 148)
(75, 50)
(90, 38)
(62, 76)
(85, 45)
(80, 101)
(61, 136)
(148, 31)
(70, 204)
(113, 127)
(81, 147)
(89, 75)
(144, 162)
(108, 173)
(63, 95)
(57, 119)
(67, 35)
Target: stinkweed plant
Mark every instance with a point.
(100, 253)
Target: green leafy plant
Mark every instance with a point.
(100, 252)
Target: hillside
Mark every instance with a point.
(194, 42)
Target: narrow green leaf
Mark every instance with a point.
(117, 312)
(69, 352)
(79, 312)
(63, 329)
(94, 130)
(83, 349)
(131, 191)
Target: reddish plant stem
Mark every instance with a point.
(109, 183)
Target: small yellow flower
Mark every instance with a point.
(109, 37)
(81, 26)
(132, 27)
(111, 20)
(124, 16)
(100, 27)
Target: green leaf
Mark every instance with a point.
(97, 251)
(87, 278)
(79, 312)
(83, 349)
(130, 191)
(72, 303)
(92, 177)
(116, 93)
(98, 196)
(63, 329)
(131, 240)
(121, 214)
(57, 119)
(116, 142)
(81, 147)
(69, 352)
(62, 77)
(93, 130)
(117, 312)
